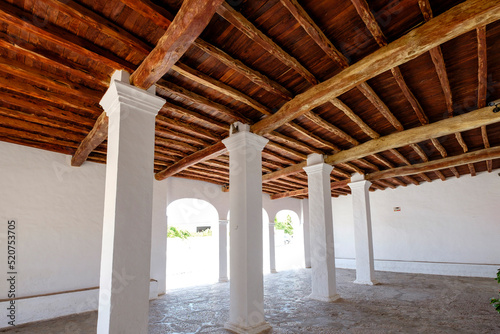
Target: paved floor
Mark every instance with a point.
(403, 303)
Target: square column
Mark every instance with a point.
(223, 251)
(304, 213)
(362, 230)
(321, 229)
(272, 248)
(246, 313)
(128, 205)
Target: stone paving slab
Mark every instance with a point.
(402, 303)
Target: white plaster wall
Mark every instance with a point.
(59, 219)
(443, 227)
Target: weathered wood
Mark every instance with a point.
(165, 86)
(330, 127)
(190, 131)
(454, 161)
(26, 21)
(199, 156)
(408, 163)
(458, 20)
(293, 142)
(441, 128)
(66, 87)
(187, 25)
(246, 27)
(254, 76)
(369, 19)
(194, 116)
(315, 138)
(425, 8)
(297, 168)
(220, 87)
(482, 89)
(95, 137)
(355, 118)
(439, 64)
(439, 147)
(53, 60)
(315, 32)
(422, 117)
(333, 186)
(380, 105)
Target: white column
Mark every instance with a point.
(223, 251)
(304, 213)
(126, 240)
(321, 229)
(272, 248)
(158, 236)
(246, 312)
(362, 230)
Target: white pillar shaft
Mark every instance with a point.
(246, 313)
(321, 231)
(223, 251)
(126, 243)
(362, 232)
(304, 204)
(158, 239)
(272, 249)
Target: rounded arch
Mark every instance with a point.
(289, 240)
(192, 246)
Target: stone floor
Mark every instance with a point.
(402, 303)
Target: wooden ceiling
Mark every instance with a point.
(388, 88)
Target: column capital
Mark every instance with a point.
(358, 182)
(272, 224)
(240, 136)
(315, 165)
(120, 91)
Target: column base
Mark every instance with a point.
(327, 299)
(263, 327)
(366, 282)
(273, 271)
(223, 279)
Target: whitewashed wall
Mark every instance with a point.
(447, 227)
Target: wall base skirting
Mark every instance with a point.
(431, 268)
(57, 305)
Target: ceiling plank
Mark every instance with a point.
(26, 21)
(187, 25)
(330, 127)
(246, 27)
(355, 118)
(460, 19)
(315, 32)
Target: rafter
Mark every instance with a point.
(246, 27)
(482, 90)
(187, 25)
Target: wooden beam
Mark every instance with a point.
(425, 8)
(330, 127)
(441, 128)
(166, 86)
(195, 116)
(369, 19)
(333, 186)
(422, 117)
(246, 27)
(355, 118)
(408, 163)
(95, 137)
(454, 161)
(202, 155)
(458, 20)
(315, 32)
(188, 24)
(52, 33)
(482, 90)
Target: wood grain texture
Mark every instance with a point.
(188, 24)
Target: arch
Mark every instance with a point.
(289, 249)
(192, 260)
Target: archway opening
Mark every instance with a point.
(289, 240)
(192, 243)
